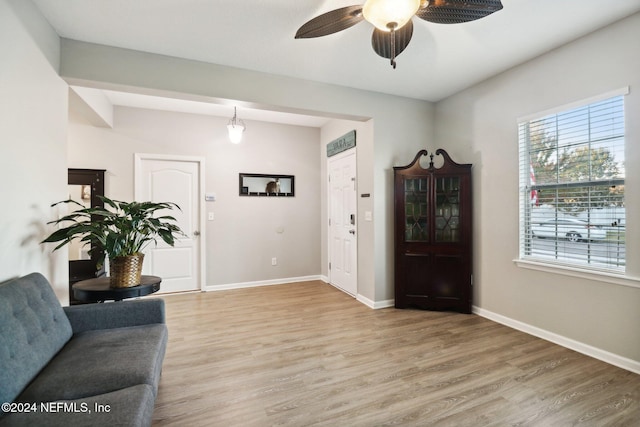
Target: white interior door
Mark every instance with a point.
(173, 179)
(343, 243)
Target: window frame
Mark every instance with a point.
(525, 260)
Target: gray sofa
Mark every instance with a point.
(83, 365)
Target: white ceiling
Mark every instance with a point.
(259, 35)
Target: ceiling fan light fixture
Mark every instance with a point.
(236, 128)
(387, 15)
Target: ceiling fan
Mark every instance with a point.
(392, 20)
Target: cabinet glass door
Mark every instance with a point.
(416, 192)
(447, 218)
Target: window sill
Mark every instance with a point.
(600, 276)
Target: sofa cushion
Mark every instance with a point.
(132, 312)
(132, 406)
(102, 361)
(33, 328)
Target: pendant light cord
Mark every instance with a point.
(392, 34)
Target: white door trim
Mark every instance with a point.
(140, 157)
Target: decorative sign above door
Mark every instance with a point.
(341, 144)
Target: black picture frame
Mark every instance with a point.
(266, 185)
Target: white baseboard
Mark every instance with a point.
(376, 305)
(366, 301)
(596, 353)
(227, 286)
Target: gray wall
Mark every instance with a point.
(33, 120)
(244, 236)
(478, 126)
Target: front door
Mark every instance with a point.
(174, 179)
(343, 243)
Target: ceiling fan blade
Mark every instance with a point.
(381, 40)
(331, 22)
(457, 11)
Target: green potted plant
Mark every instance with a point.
(121, 233)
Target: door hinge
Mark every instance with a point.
(329, 222)
(329, 266)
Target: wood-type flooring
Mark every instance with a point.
(306, 354)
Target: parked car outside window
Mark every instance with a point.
(574, 230)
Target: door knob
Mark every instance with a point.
(196, 233)
(352, 232)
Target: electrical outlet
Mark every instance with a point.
(274, 261)
(211, 216)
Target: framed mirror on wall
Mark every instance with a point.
(85, 187)
(267, 185)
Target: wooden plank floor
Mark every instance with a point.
(306, 354)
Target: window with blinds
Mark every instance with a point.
(572, 171)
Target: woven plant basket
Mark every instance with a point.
(125, 271)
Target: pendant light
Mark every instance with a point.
(236, 128)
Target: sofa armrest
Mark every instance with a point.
(88, 317)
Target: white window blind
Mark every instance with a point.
(572, 172)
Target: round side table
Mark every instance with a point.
(98, 290)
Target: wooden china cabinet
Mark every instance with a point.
(433, 235)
